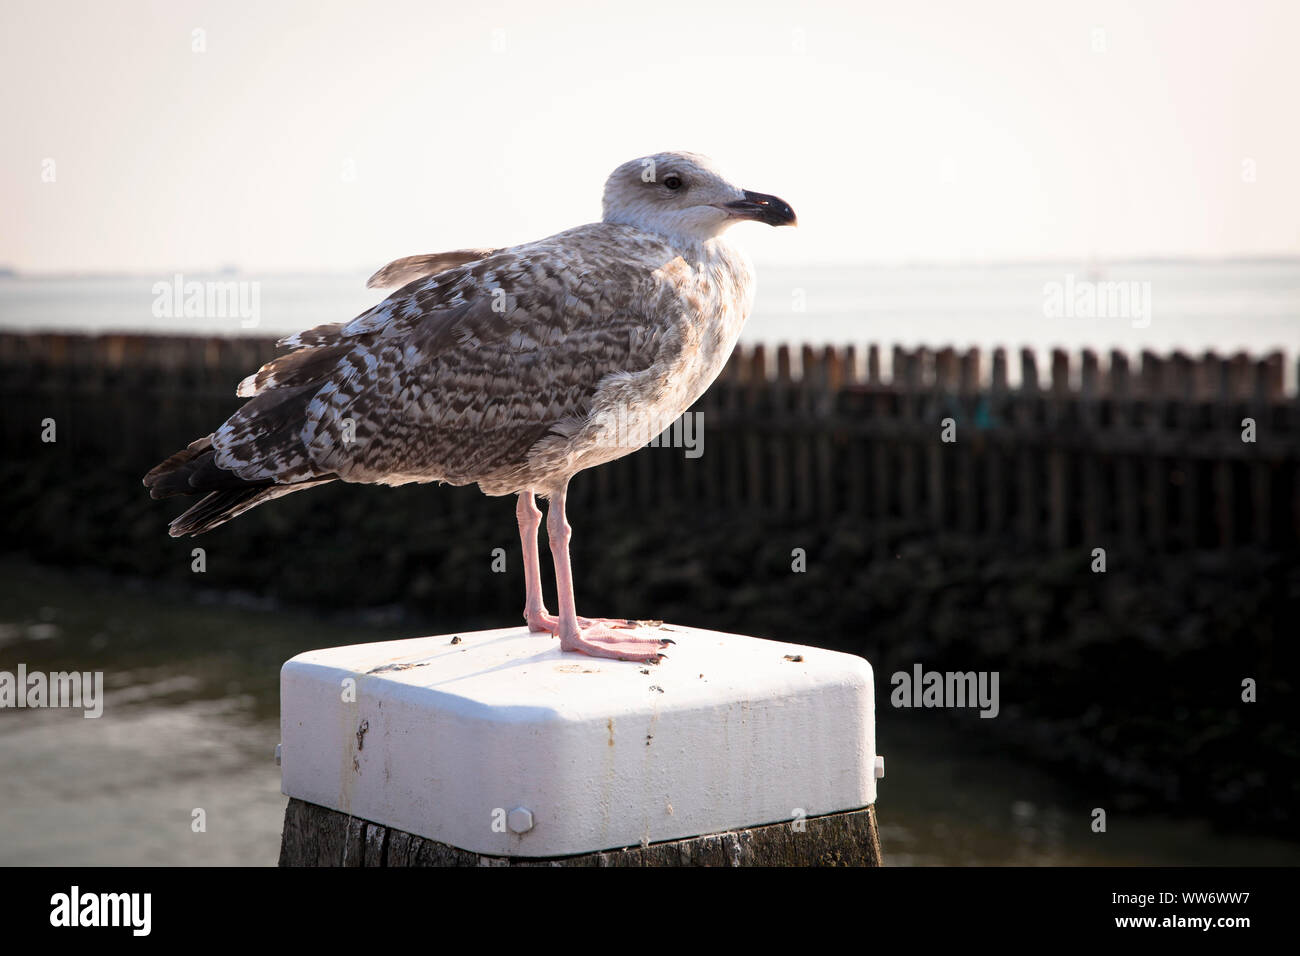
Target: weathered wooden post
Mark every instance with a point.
(493, 748)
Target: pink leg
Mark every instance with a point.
(595, 639)
(530, 516)
(535, 613)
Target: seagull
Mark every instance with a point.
(513, 368)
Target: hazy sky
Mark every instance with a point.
(332, 135)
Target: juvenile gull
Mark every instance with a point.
(514, 368)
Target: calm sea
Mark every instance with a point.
(1227, 306)
(191, 719)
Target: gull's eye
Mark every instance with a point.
(672, 181)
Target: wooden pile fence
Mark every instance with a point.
(1147, 451)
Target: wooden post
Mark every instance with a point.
(1090, 388)
(494, 747)
(754, 471)
(316, 836)
(974, 449)
(811, 396)
(940, 454)
(1125, 468)
(1225, 388)
(1057, 516)
(1261, 478)
(910, 405)
(832, 379)
(1155, 496)
(998, 407)
(1187, 467)
(733, 458)
(1027, 404)
(882, 470)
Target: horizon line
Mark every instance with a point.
(1089, 262)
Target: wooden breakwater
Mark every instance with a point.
(917, 549)
(1151, 451)
(1160, 452)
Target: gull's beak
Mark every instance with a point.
(762, 208)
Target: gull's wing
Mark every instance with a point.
(456, 376)
(401, 271)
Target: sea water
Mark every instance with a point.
(1252, 306)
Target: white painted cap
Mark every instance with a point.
(501, 745)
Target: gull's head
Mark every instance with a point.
(684, 194)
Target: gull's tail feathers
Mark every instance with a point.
(193, 470)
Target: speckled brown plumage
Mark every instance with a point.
(504, 368)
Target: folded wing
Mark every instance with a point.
(453, 378)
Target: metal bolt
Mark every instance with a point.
(520, 820)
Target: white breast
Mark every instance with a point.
(715, 295)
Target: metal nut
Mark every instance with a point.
(520, 820)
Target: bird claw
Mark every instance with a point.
(602, 641)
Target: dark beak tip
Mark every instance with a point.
(782, 215)
(769, 209)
